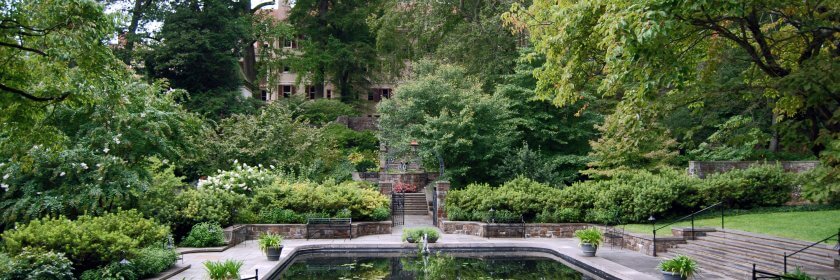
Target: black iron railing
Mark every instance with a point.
(255, 277)
(837, 247)
(760, 274)
(691, 217)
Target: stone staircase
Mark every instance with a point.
(731, 253)
(415, 204)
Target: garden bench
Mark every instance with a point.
(328, 227)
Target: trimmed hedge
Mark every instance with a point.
(626, 197)
(285, 202)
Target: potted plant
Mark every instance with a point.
(272, 245)
(432, 235)
(678, 268)
(223, 270)
(409, 235)
(590, 239)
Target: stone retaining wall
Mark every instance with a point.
(238, 233)
(359, 123)
(701, 169)
(630, 241)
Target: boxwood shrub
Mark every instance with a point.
(87, 242)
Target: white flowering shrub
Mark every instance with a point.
(242, 179)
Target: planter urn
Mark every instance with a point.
(409, 239)
(667, 275)
(588, 249)
(432, 239)
(273, 253)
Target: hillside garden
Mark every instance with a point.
(120, 140)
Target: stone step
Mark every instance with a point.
(710, 266)
(759, 250)
(743, 258)
(737, 270)
(778, 242)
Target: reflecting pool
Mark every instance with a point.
(433, 267)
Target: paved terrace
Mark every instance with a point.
(624, 264)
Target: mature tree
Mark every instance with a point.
(78, 126)
(555, 141)
(640, 50)
(445, 110)
(138, 14)
(464, 32)
(337, 44)
(201, 42)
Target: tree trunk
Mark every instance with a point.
(131, 33)
(774, 141)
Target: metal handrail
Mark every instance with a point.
(760, 274)
(812, 245)
(692, 215)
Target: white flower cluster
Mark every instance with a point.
(242, 178)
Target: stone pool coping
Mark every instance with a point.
(577, 262)
(622, 264)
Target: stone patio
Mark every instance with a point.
(624, 264)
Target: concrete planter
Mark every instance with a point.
(588, 249)
(273, 254)
(667, 275)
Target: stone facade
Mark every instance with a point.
(701, 169)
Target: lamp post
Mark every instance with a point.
(492, 216)
(653, 225)
(414, 145)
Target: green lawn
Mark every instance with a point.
(807, 225)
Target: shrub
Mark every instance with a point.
(327, 199)
(821, 185)
(417, 233)
(34, 264)
(765, 185)
(209, 205)
(112, 271)
(590, 236)
(322, 111)
(270, 240)
(381, 214)
(89, 241)
(281, 216)
(150, 261)
(562, 215)
(204, 235)
(682, 265)
(242, 179)
(401, 187)
(223, 270)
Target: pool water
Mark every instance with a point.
(428, 268)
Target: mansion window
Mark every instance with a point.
(329, 94)
(311, 91)
(287, 90)
(377, 94)
(264, 95)
(286, 69)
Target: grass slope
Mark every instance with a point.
(807, 225)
